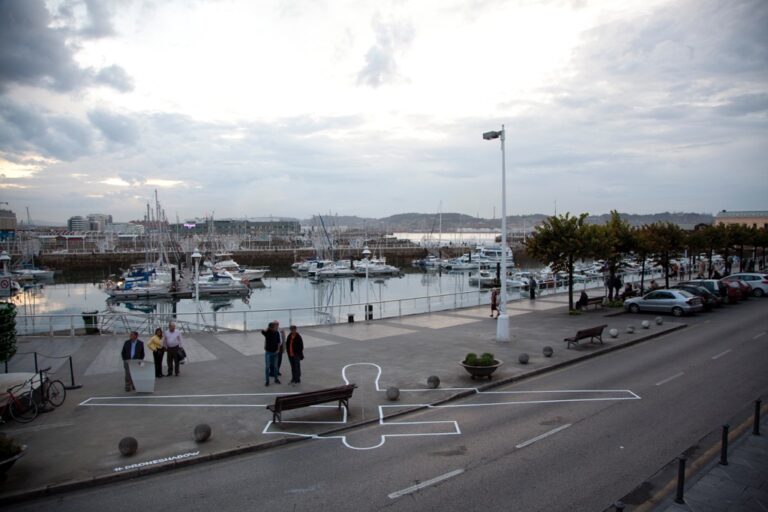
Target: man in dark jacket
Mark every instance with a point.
(133, 348)
(294, 347)
(271, 349)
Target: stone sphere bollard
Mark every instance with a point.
(548, 351)
(128, 446)
(202, 432)
(659, 320)
(630, 329)
(646, 324)
(433, 382)
(393, 393)
(523, 358)
(614, 333)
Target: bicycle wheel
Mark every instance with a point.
(56, 393)
(23, 408)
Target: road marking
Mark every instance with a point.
(759, 335)
(542, 436)
(721, 354)
(662, 382)
(422, 485)
(38, 428)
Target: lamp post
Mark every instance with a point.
(502, 322)
(367, 256)
(196, 258)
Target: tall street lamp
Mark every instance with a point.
(367, 256)
(196, 258)
(502, 322)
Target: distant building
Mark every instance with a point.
(124, 228)
(98, 221)
(248, 227)
(755, 219)
(7, 225)
(78, 223)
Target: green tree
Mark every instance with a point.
(642, 248)
(666, 240)
(7, 331)
(562, 240)
(615, 243)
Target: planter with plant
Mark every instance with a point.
(10, 452)
(482, 366)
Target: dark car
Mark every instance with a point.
(746, 289)
(709, 298)
(715, 286)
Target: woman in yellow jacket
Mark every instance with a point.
(156, 346)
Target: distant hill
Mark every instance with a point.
(429, 222)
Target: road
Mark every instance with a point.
(534, 445)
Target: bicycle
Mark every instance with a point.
(53, 391)
(23, 407)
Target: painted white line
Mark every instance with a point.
(422, 485)
(721, 354)
(662, 382)
(38, 428)
(759, 335)
(542, 436)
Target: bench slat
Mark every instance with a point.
(591, 333)
(321, 396)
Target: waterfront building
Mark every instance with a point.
(98, 221)
(78, 223)
(7, 225)
(755, 219)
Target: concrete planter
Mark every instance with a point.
(482, 371)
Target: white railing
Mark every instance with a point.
(243, 321)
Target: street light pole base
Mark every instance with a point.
(502, 327)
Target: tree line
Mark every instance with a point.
(562, 240)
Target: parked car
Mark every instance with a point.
(758, 282)
(677, 302)
(710, 299)
(715, 286)
(733, 289)
(746, 290)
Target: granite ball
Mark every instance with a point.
(202, 432)
(614, 333)
(523, 358)
(128, 446)
(393, 393)
(659, 320)
(433, 382)
(630, 329)
(548, 351)
(646, 324)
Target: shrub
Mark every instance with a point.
(471, 359)
(487, 359)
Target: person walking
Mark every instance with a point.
(495, 303)
(271, 349)
(156, 346)
(294, 347)
(133, 348)
(172, 341)
(532, 288)
(282, 347)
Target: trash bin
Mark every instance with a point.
(91, 320)
(350, 318)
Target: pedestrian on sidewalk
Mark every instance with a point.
(282, 346)
(294, 347)
(271, 349)
(495, 302)
(532, 287)
(172, 341)
(156, 346)
(133, 348)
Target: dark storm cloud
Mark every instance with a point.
(27, 130)
(32, 52)
(115, 127)
(381, 59)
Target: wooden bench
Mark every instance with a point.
(593, 301)
(321, 396)
(592, 333)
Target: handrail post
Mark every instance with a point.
(679, 498)
(71, 326)
(72, 376)
(724, 446)
(245, 321)
(36, 367)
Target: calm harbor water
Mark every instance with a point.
(290, 299)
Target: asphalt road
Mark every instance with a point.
(574, 439)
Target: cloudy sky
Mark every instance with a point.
(371, 108)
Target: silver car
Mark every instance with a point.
(677, 302)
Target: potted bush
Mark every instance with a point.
(482, 366)
(10, 452)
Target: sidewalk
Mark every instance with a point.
(223, 385)
(741, 486)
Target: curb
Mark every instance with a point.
(50, 490)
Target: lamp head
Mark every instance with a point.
(492, 135)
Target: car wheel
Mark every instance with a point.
(677, 311)
(634, 308)
(758, 292)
